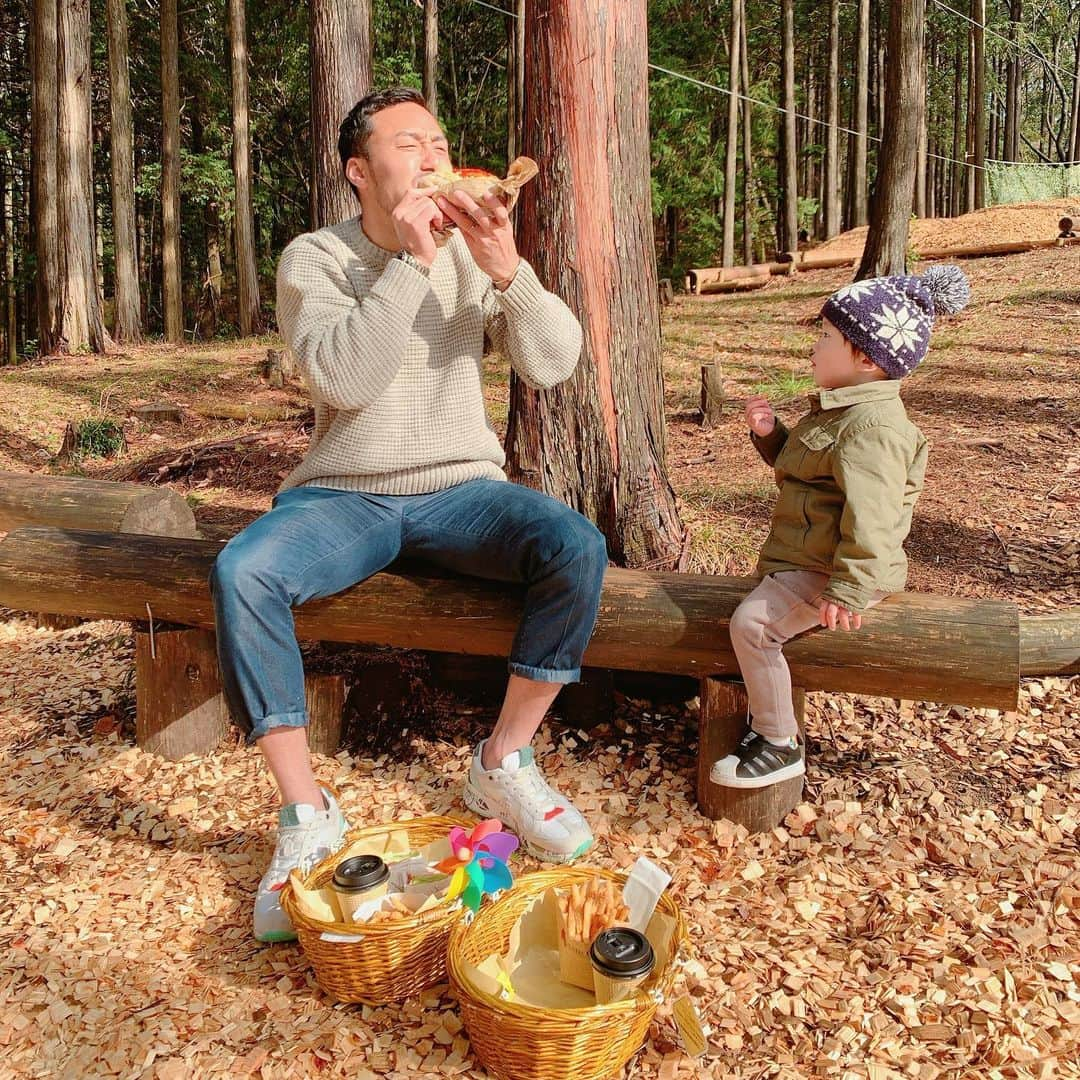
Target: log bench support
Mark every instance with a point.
(180, 706)
(721, 725)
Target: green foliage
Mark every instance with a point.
(98, 437)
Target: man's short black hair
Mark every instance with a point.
(355, 129)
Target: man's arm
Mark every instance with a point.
(533, 329)
(348, 350)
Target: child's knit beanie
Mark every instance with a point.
(889, 318)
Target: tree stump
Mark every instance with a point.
(712, 394)
(159, 412)
(324, 697)
(179, 705)
(271, 369)
(724, 709)
(666, 291)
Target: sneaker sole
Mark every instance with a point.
(475, 802)
(789, 772)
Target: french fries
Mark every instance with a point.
(590, 907)
(398, 909)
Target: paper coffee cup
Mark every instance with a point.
(358, 880)
(622, 959)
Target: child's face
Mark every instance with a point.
(836, 362)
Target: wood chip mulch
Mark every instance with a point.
(918, 916)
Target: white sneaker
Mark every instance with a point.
(516, 793)
(305, 836)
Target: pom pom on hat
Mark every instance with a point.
(948, 288)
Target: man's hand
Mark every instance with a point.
(830, 614)
(414, 218)
(487, 232)
(760, 416)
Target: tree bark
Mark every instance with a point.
(832, 133)
(1012, 86)
(597, 441)
(862, 93)
(127, 319)
(886, 241)
(431, 55)
(247, 278)
(81, 326)
(340, 76)
(956, 172)
(789, 232)
(731, 134)
(10, 354)
(748, 156)
(171, 286)
(978, 97)
(44, 152)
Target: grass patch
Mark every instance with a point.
(783, 386)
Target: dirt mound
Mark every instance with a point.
(994, 225)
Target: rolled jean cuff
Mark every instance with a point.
(545, 674)
(262, 727)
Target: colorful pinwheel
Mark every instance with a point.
(477, 863)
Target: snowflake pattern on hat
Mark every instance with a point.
(889, 318)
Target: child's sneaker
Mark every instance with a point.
(305, 836)
(758, 763)
(516, 793)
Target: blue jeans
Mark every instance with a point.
(315, 542)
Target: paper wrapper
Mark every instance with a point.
(318, 904)
(529, 971)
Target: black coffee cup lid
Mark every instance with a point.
(622, 952)
(360, 872)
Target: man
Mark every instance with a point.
(388, 332)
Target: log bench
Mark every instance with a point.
(922, 647)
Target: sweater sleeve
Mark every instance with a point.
(534, 329)
(348, 350)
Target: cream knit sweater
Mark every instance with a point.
(394, 360)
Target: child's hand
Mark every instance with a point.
(760, 416)
(829, 614)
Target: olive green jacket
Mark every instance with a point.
(849, 474)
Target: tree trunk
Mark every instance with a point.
(732, 135)
(247, 278)
(43, 151)
(340, 76)
(957, 170)
(920, 166)
(127, 321)
(10, 354)
(890, 211)
(1074, 121)
(515, 80)
(1012, 86)
(832, 133)
(969, 126)
(171, 287)
(748, 157)
(978, 98)
(80, 311)
(789, 233)
(597, 441)
(862, 87)
(431, 55)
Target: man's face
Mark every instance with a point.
(405, 142)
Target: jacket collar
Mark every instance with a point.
(843, 396)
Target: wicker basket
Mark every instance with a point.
(524, 1042)
(392, 960)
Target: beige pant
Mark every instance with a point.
(781, 607)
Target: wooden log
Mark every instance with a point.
(159, 412)
(712, 394)
(1050, 644)
(922, 647)
(180, 708)
(324, 697)
(722, 724)
(224, 410)
(742, 284)
(97, 505)
(702, 276)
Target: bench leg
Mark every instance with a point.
(721, 726)
(179, 705)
